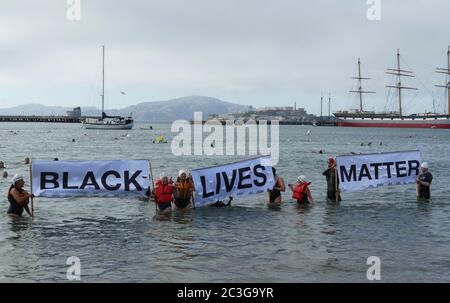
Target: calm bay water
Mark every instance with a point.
(121, 240)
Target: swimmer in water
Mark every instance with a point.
(184, 190)
(163, 193)
(333, 193)
(274, 194)
(423, 183)
(301, 192)
(18, 198)
(222, 204)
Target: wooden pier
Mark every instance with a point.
(44, 119)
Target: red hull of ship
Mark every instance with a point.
(394, 124)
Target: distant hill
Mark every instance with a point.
(169, 110)
(180, 108)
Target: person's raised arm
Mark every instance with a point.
(193, 199)
(27, 209)
(282, 186)
(310, 197)
(291, 187)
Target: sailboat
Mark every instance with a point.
(362, 118)
(105, 121)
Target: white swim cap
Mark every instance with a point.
(16, 179)
(424, 165)
(301, 178)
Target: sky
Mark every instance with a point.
(253, 52)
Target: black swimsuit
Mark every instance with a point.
(274, 193)
(14, 207)
(181, 203)
(304, 200)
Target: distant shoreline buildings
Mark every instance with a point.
(284, 114)
(75, 113)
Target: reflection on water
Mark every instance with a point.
(18, 225)
(125, 240)
(183, 216)
(424, 205)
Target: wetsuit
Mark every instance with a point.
(330, 175)
(424, 191)
(14, 207)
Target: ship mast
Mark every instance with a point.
(103, 80)
(360, 91)
(321, 103)
(446, 71)
(329, 106)
(399, 73)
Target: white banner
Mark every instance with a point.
(358, 172)
(219, 183)
(90, 178)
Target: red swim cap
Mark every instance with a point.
(330, 162)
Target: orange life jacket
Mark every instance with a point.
(163, 192)
(185, 188)
(300, 191)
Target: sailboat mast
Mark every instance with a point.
(103, 80)
(399, 73)
(446, 71)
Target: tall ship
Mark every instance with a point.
(105, 121)
(394, 119)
